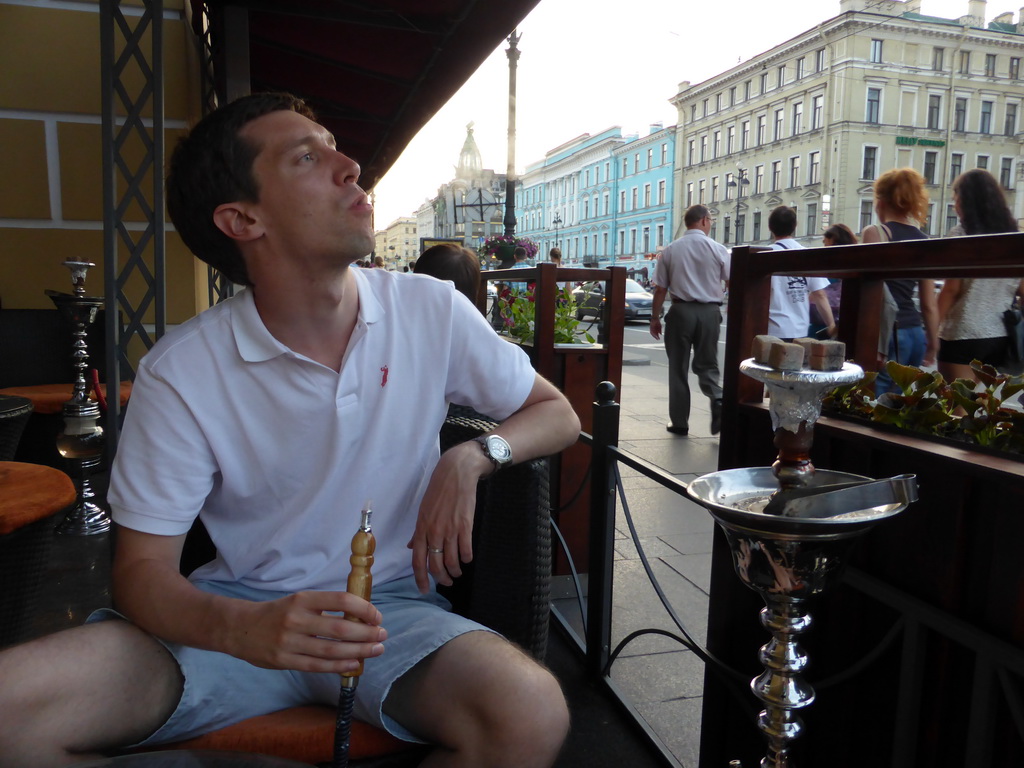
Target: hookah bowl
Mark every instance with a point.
(81, 442)
(791, 557)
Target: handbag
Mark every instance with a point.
(887, 323)
(1013, 319)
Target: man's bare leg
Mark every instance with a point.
(485, 703)
(67, 697)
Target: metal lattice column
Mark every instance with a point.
(131, 52)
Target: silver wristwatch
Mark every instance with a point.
(496, 449)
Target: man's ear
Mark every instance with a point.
(234, 220)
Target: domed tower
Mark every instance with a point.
(470, 163)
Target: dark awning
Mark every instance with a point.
(375, 71)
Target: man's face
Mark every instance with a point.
(310, 205)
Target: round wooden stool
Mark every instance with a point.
(31, 495)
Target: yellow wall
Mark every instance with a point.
(51, 187)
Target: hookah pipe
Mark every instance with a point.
(360, 583)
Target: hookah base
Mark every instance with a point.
(85, 519)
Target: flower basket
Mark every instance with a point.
(500, 247)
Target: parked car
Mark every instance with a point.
(590, 300)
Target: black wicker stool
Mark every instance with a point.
(31, 495)
(14, 415)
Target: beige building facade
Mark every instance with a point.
(812, 122)
(400, 243)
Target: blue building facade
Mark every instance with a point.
(603, 199)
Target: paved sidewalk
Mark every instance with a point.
(662, 679)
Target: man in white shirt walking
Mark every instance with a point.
(692, 271)
(789, 308)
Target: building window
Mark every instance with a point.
(865, 214)
(931, 159)
(625, 167)
(661, 192)
(690, 146)
(1010, 124)
(934, 108)
(757, 226)
(732, 96)
(956, 165)
(689, 194)
(646, 240)
(960, 115)
(633, 198)
(819, 60)
(660, 230)
(794, 171)
(714, 189)
(937, 56)
(986, 117)
(647, 195)
(730, 140)
(779, 118)
(746, 90)
(759, 180)
(650, 158)
(703, 148)
(606, 201)
(965, 62)
(776, 175)
(664, 153)
(874, 102)
(718, 102)
(622, 201)
(761, 120)
(739, 229)
(951, 217)
(990, 65)
(1014, 68)
(716, 148)
(744, 134)
(764, 82)
(798, 117)
(727, 229)
(636, 163)
(1006, 172)
(701, 191)
(800, 68)
(780, 78)
(870, 165)
(693, 112)
(812, 218)
(704, 108)
(622, 241)
(814, 171)
(817, 111)
(729, 184)
(929, 223)
(876, 51)
(982, 162)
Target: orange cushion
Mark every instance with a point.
(303, 734)
(30, 492)
(50, 398)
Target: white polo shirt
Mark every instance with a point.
(280, 452)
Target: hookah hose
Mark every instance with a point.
(360, 583)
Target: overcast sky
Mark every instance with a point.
(587, 65)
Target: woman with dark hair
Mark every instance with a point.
(837, 234)
(913, 339)
(971, 309)
(449, 261)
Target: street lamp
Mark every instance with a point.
(738, 182)
(557, 222)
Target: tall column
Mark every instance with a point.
(510, 173)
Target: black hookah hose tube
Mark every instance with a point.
(360, 582)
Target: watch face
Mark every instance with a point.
(499, 449)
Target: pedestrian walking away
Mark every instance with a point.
(693, 272)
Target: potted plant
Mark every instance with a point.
(519, 311)
(500, 247)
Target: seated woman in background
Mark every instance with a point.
(449, 261)
(837, 234)
(900, 196)
(971, 309)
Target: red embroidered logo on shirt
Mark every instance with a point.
(384, 376)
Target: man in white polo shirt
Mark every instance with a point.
(276, 415)
(789, 311)
(692, 270)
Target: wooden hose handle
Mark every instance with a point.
(360, 580)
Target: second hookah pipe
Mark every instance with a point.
(360, 583)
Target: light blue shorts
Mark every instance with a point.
(221, 690)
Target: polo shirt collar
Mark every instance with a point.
(256, 344)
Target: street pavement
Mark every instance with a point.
(661, 678)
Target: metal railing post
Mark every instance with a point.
(602, 529)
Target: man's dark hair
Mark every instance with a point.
(694, 214)
(449, 261)
(782, 222)
(519, 253)
(555, 254)
(211, 166)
